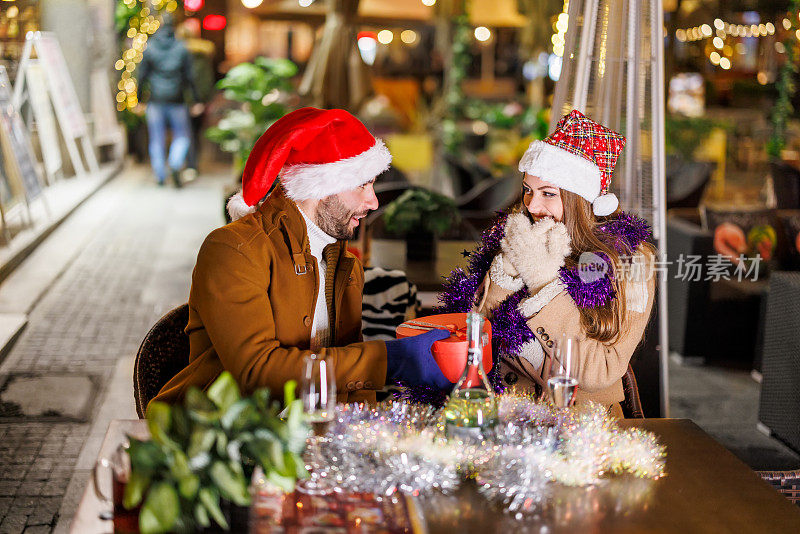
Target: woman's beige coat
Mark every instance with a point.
(551, 312)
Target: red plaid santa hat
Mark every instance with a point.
(578, 156)
(315, 153)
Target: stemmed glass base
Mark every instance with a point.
(316, 484)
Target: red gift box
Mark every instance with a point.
(451, 353)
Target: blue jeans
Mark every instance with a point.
(177, 115)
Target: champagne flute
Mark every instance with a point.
(318, 394)
(562, 373)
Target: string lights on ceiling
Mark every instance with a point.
(725, 39)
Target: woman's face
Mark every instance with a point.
(542, 199)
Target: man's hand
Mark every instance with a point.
(197, 109)
(409, 360)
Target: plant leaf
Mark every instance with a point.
(146, 456)
(200, 407)
(222, 443)
(239, 415)
(201, 440)
(285, 483)
(288, 392)
(201, 515)
(209, 497)
(159, 423)
(224, 391)
(160, 414)
(134, 489)
(188, 486)
(179, 465)
(232, 485)
(160, 509)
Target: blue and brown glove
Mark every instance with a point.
(409, 360)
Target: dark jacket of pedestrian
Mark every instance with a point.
(165, 69)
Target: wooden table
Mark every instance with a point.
(707, 489)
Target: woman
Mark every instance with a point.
(567, 261)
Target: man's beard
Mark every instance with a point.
(333, 218)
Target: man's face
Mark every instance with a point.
(338, 215)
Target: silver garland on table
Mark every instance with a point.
(401, 446)
(388, 448)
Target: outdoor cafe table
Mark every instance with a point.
(707, 489)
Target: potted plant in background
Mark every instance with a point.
(262, 88)
(194, 473)
(420, 215)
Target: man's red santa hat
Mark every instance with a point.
(578, 156)
(315, 153)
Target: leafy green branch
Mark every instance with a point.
(786, 87)
(261, 87)
(206, 450)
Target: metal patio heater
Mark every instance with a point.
(613, 71)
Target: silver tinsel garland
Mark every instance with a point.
(401, 446)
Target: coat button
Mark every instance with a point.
(549, 344)
(307, 320)
(511, 378)
(359, 385)
(540, 330)
(351, 386)
(545, 337)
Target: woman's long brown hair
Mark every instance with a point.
(602, 323)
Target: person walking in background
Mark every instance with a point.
(165, 70)
(204, 77)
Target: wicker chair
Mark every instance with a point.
(632, 405)
(163, 353)
(786, 482)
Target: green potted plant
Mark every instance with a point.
(194, 472)
(420, 215)
(262, 88)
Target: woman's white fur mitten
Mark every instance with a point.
(536, 250)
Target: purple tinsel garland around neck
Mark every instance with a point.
(624, 234)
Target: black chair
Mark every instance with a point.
(632, 405)
(686, 181)
(478, 207)
(164, 352)
(779, 406)
(786, 183)
(786, 482)
(465, 176)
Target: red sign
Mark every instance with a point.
(193, 5)
(214, 22)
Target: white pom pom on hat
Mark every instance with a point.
(237, 207)
(605, 204)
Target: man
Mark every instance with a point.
(278, 283)
(201, 53)
(166, 70)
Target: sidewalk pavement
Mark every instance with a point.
(90, 292)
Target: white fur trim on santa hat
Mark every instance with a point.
(562, 168)
(605, 204)
(307, 181)
(238, 208)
